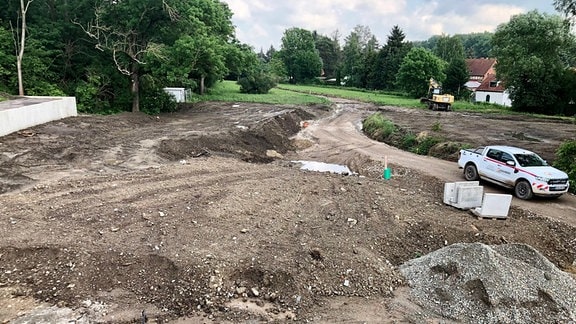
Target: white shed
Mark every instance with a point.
(179, 94)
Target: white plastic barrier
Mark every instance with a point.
(26, 112)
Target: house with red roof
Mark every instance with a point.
(492, 91)
(478, 70)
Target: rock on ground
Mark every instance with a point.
(478, 283)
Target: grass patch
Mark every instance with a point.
(397, 99)
(436, 127)
(389, 98)
(230, 91)
(376, 97)
(379, 128)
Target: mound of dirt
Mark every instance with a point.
(477, 283)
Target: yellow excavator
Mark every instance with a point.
(436, 99)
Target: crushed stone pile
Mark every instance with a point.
(478, 283)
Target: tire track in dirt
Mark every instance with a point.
(339, 139)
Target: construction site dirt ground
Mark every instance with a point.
(204, 216)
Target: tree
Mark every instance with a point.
(128, 31)
(477, 45)
(138, 36)
(451, 50)
(457, 75)
(532, 59)
(241, 60)
(358, 54)
(568, 7)
(329, 51)
(39, 72)
(21, 43)
(418, 67)
(299, 54)
(388, 60)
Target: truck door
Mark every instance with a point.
(491, 163)
(505, 172)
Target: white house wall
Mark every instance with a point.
(499, 98)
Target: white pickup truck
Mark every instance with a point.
(524, 171)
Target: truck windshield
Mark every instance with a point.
(530, 160)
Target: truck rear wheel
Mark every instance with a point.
(523, 190)
(470, 172)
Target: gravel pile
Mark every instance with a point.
(478, 283)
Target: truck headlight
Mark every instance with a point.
(543, 179)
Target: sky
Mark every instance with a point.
(261, 23)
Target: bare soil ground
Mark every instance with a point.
(200, 216)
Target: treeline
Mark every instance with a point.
(535, 52)
(118, 55)
(362, 62)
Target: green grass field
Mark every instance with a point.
(230, 91)
(305, 95)
(384, 99)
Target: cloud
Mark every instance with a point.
(241, 9)
(261, 23)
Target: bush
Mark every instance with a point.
(378, 127)
(425, 144)
(257, 84)
(566, 161)
(408, 141)
(156, 100)
(437, 127)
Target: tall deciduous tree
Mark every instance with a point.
(358, 54)
(135, 32)
(299, 54)
(457, 75)
(477, 45)
(448, 48)
(21, 43)
(531, 54)
(451, 50)
(129, 31)
(329, 51)
(418, 66)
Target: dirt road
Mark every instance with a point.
(201, 216)
(339, 138)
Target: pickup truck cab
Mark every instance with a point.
(512, 167)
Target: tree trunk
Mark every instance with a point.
(202, 84)
(135, 88)
(23, 10)
(20, 81)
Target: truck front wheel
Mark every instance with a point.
(470, 172)
(523, 190)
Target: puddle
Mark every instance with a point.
(324, 167)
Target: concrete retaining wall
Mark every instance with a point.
(25, 112)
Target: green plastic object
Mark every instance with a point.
(387, 174)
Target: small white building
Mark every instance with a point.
(179, 94)
(492, 91)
